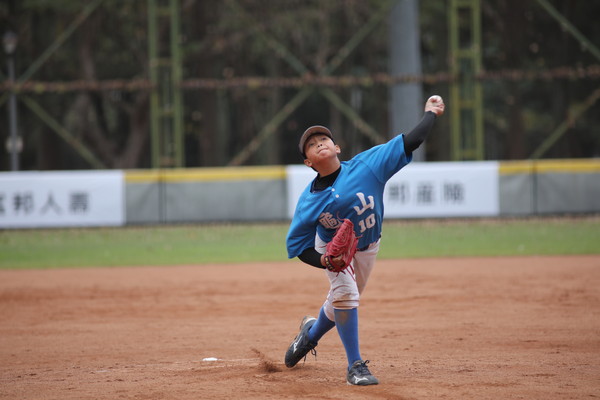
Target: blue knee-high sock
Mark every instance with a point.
(346, 322)
(321, 327)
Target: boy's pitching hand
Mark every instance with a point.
(435, 104)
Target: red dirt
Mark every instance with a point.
(476, 328)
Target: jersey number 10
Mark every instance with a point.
(369, 221)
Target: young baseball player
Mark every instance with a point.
(345, 190)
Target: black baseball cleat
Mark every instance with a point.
(359, 374)
(301, 345)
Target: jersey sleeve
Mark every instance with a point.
(300, 237)
(386, 159)
(301, 234)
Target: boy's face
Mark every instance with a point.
(320, 147)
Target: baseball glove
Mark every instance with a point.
(341, 249)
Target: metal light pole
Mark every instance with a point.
(14, 144)
(406, 99)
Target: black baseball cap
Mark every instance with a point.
(313, 130)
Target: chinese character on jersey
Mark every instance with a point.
(329, 221)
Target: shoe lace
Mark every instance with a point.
(362, 368)
(312, 351)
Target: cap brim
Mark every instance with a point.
(313, 130)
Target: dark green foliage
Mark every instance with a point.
(232, 39)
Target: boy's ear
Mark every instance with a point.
(307, 162)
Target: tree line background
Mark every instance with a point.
(529, 97)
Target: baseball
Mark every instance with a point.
(436, 98)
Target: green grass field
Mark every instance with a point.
(234, 243)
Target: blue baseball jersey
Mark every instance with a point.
(356, 194)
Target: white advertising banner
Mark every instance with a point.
(443, 189)
(423, 190)
(61, 199)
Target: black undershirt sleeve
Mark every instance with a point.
(311, 257)
(414, 138)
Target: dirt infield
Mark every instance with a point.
(477, 328)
